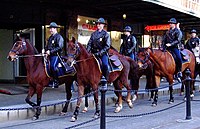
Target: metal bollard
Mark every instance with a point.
(103, 108)
(187, 89)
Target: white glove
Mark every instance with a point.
(168, 45)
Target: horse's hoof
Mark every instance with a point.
(154, 104)
(96, 115)
(151, 99)
(118, 109)
(171, 102)
(192, 95)
(85, 109)
(181, 93)
(116, 105)
(35, 117)
(134, 98)
(62, 113)
(130, 104)
(73, 119)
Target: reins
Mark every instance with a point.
(84, 59)
(26, 56)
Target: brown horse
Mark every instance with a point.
(88, 73)
(146, 69)
(36, 75)
(164, 66)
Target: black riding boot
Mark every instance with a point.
(54, 83)
(179, 75)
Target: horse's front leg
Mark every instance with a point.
(119, 95)
(68, 97)
(171, 97)
(80, 93)
(155, 100)
(39, 89)
(31, 92)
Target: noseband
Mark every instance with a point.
(145, 59)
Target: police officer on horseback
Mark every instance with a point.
(99, 44)
(127, 48)
(53, 49)
(193, 41)
(171, 40)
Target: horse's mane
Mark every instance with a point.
(27, 41)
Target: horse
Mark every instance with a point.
(164, 66)
(36, 75)
(146, 68)
(196, 52)
(89, 73)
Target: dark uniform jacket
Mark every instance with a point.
(55, 44)
(173, 37)
(99, 42)
(128, 45)
(192, 43)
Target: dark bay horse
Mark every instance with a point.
(164, 66)
(36, 76)
(146, 68)
(88, 73)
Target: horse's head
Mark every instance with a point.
(19, 48)
(73, 50)
(143, 58)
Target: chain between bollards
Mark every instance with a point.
(187, 88)
(103, 105)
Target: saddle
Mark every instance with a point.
(114, 63)
(184, 54)
(63, 68)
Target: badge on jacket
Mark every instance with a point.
(52, 41)
(129, 40)
(100, 39)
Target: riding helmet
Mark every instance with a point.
(53, 25)
(193, 31)
(172, 20)
(127, 29)
(101, 21)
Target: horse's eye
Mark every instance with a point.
(16, 45)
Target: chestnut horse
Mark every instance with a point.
(36, 75)
(164, 66)
(88, 73)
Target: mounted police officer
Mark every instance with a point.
(171, 40)
(193, 41)
(99, 44)
(127, 48)
(53, 49)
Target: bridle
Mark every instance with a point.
(77, 51)
(144, 61)
(22, 47)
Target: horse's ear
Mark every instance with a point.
(73, 40)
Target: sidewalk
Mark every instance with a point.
(51, 97)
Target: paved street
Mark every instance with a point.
(142, 116)
(155, 118)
